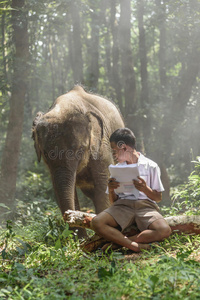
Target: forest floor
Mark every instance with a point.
(40, 258)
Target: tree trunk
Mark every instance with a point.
(77, 60)
(144, 117)
(143, 56)
(93, 71)
(11, 150)
(3, 49)
(107, 63)
(166, 199)
(161, 7)
(52, 68)
(180, 99)
(128, 74)
(115, 55)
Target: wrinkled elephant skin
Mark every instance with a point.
(73, 139)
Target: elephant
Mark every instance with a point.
(73, 140)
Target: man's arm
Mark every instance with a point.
(112, 185)
(143, 187)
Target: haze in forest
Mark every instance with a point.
(143, 55)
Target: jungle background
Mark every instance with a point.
(143, 55)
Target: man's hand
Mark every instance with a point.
(140, 184)
(113, 184)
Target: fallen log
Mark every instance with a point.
(178, 224)
(76, 218)
(186, 224)
(183, 223)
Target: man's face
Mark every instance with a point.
(118, 152)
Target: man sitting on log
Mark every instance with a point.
(126, 209)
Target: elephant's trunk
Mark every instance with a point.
(64, 179)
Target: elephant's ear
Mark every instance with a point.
(37, 148)
(34, 135)
(96, 133)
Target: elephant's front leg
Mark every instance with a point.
(101, 199)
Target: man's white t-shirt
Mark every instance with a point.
(150, 172)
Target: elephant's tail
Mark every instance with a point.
(34, 134)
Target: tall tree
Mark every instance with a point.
(128, 75)
(3, 46)
(19, 86)
(52, 68)
(145, 117)
(181, 97)
(161, 20)
(114, 24)
(188, 52)
(76, 43)
(142, 55)
(93, 72)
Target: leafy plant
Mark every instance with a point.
(103, 273)
(186, 197)
(57, 233)
(6, 237)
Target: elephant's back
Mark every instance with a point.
(107, 108)
(80, 101)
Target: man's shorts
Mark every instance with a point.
(127, 212)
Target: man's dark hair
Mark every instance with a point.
(123, 136)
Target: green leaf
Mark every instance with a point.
(58, 244)
(103, 273)
(4, 206)
(113, 267)
(19, 267)
(183, 254)
(4, 253)
(20, 251)
(25, 246)
(50, 224)
(152, 281)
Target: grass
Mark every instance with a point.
(41, 259)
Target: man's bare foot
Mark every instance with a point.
(110, 246)
(137, 247)
(144, 246)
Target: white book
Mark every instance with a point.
(125, 176)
